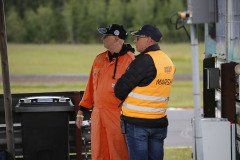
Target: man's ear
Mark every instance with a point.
(149, 39)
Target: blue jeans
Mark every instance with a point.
(145, 143)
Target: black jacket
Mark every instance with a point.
(141, 72)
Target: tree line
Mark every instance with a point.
(76, 21)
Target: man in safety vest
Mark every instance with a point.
(107, 141)
(145, 89)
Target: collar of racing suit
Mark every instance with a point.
(123, 51)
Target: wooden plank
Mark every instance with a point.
(6, 84)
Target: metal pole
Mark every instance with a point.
(227, 39)
(196, 93)
(6, 84)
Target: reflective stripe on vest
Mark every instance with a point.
(149, 98)
(143, 109)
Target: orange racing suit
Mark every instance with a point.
(107, 141)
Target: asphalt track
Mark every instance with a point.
(180, 129)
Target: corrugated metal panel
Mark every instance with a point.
(234, 50)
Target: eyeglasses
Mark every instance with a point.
(139, 37)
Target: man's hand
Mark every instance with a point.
(79, 120)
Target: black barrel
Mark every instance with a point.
(45, 127)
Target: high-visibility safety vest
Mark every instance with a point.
(150, 102)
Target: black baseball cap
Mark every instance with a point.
(149, 31)
(115, 30)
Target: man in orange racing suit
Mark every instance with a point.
(107, 141)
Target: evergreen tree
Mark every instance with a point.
(144, 12)
(97, 18)
(15, 27)
(58, 29)
(68, 21)
(44, 18)
(76, 21)
(115, 12)
(79, 20)
(31, 25)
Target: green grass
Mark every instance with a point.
(182, 94)
(177, 153)
(52, 59)
(77, 59)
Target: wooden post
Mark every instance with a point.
(6, 84)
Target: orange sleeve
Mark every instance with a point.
(88, 99)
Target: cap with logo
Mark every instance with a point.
(149, 31)
(115, 30)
